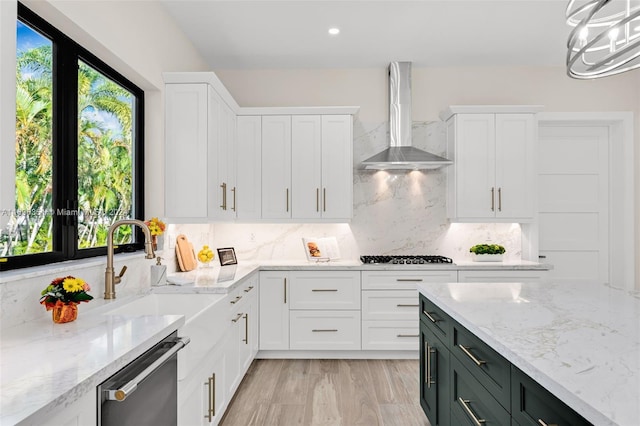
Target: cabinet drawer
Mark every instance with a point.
(531, 404)
(407, 280)
(328, 290)
(390, 335)
(328, 330)
(487, 365)
(470, 402)
(440, 323)
(390, 305)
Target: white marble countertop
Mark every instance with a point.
(580, 341)
(217, 279)
(44, 365)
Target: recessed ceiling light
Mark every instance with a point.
(334, 31)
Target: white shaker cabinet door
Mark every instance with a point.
(337, 167)
(249, 167)
(306, 154)
(274, 297)
(515, 161)
(186, 150)
(276, 167)
(225, 165)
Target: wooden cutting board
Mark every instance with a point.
(185, 253)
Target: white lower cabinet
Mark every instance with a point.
(81, 413)
(274, 310)
(325, 330)
(203, 397)
(390, 305)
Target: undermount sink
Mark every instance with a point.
(204, 318)
(189, 305)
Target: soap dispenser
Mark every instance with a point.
(158, 273)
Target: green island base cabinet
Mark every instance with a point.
(463, 381)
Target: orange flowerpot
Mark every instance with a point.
(64, 313)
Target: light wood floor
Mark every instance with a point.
(328, 392)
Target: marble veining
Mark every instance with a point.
(45, 366)
(580, 341)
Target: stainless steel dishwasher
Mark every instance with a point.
(145, 392)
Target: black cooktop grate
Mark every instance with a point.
(405, 259)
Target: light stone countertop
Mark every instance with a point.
(579, 341)
(44, 365)
(217, 279)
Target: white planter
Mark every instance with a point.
(486, 257)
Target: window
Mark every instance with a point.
(79, 151)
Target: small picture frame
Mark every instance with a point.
(227, 256)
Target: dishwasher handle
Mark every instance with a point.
(128, 388)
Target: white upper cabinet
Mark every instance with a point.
(493, 177)
(225, 205)
(306, 166)
(276, 167)
(186, 151)
(249, 167)
(337, 167)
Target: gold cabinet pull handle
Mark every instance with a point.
(237, 318)
(499, 199)
(236, 300)
(234, 198)
(465, 405)
(324, 199)
(287, 199)
(407, 335)
(246, 329)
(431, 378)
(493, 199)
(427, 377)
(285, 290)
(431, 318)
(224, 196)
(248, 289)
(211, 382)
(324, 289)
(543, 423)
(321, 330)
(404, 305)
(477, 361)
(317, 199)
(409, 280)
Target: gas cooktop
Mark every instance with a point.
(405, 259)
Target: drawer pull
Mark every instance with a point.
(465, 405)
(431, 318)
(411, 280)
(322, 330)
(324, 289)
(237, 318)
(478, 362)
(247, 290)
(403, 305)
(543, 423)
(234, 301)
(407, 335)
(285, 291)
(427, 358)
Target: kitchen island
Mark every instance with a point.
(579, 341)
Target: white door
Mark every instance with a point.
(249, 167)
(573, 185)
(274, 310)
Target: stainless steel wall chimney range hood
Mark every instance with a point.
(401, 155)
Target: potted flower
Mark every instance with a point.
(63, 296)
(487, 252)
(156, 227)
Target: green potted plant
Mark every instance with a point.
(487, 252)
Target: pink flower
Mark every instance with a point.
(86, 287)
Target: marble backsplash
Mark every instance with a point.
(393, 213)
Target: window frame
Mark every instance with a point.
(66, 54)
